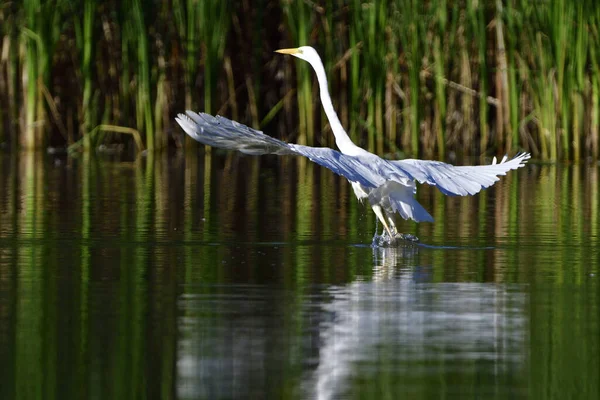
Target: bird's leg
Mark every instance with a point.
(379, 212)
(392, 225)
(398, 235)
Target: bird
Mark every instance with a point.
(389, 186)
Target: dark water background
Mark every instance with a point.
(192, 276)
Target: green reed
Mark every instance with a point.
(41, 34)
(185, 14)
(566, 61)
(374, 52)
(423, 77)
(594, 114)
(4, 41)
(214, 21)
(408, 32)
(84, 34)
(138, 41)
(35, 58)
(298, 19)
(594, 117)
(9, 69)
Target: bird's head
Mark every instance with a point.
(305, 53)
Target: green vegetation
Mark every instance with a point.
(423, 77)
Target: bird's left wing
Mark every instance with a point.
(227, 134)
(459, 181)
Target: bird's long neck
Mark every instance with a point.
(342, 139)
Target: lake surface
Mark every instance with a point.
(223, 276)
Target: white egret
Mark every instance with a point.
(388, 186)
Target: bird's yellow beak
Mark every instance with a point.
(289, 51)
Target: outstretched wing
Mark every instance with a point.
(369, 171)
(459, 181)
(226, 134)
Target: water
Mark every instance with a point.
(239, 277)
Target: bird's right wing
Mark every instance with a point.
(227, 134)
(463, 180)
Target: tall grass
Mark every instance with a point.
(299, 22)
(417, 77)
(373, 72)
(84, 34)
(9, 67)
(214, 20)
(185, 14)
(36, 60)
(138, 40)
(410, 35)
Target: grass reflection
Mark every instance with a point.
(35, 341)
(178, 275)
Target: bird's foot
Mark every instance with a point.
(376, 240)
(408, 237)
(385, 240)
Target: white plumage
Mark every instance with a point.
(388, 186)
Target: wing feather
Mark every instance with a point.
(370, 171)
(226, 134)
(460, 181)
